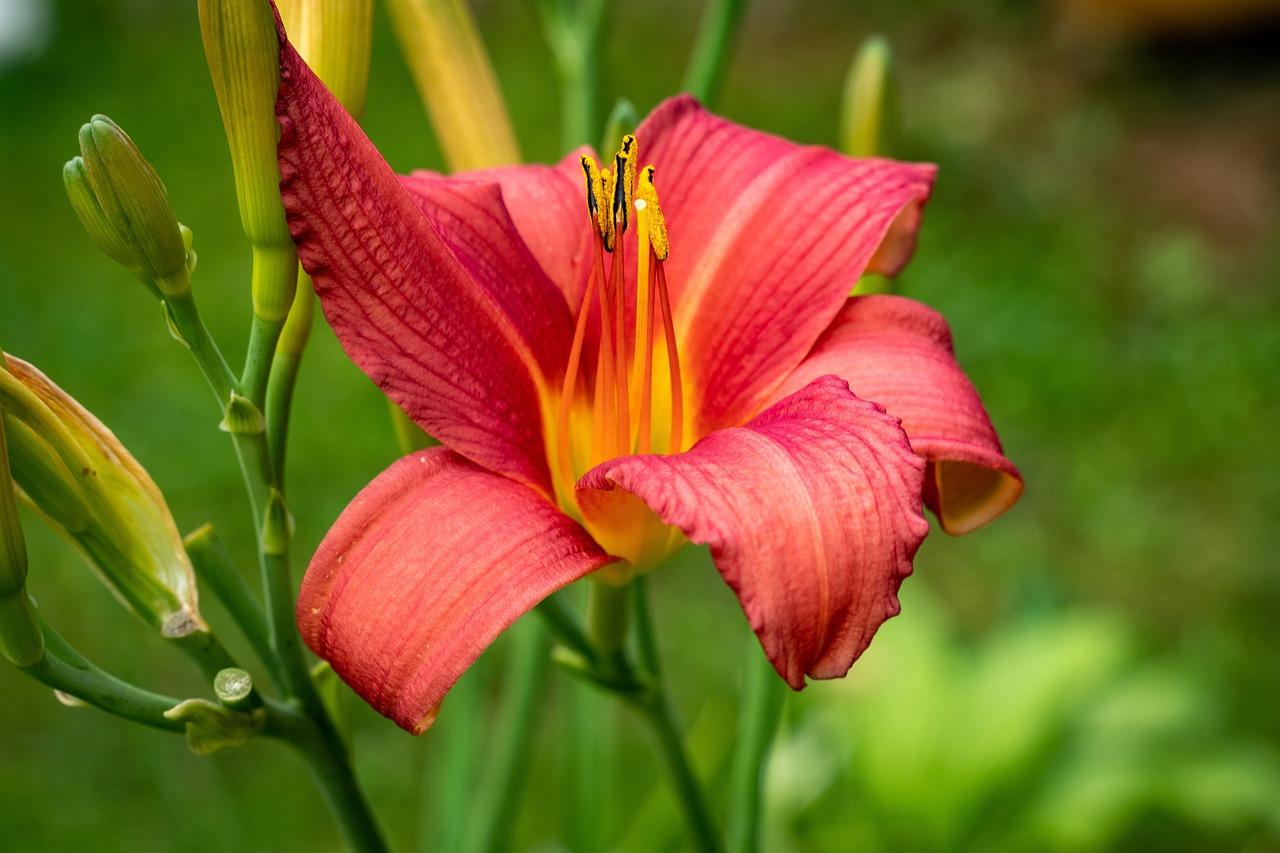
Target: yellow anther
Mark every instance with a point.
(657, 222)
(604, 205)
(625, 172)
(599, 198)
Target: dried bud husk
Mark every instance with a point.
(131, 202)
(335, 39)
(78, 475)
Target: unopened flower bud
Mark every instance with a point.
(91, 490)
(868, 122)
(133, 204)
(241, 47)
(442, 45)
(335, 40)
(20, 638)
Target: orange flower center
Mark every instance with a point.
(631, 399)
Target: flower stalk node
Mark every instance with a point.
(241, 416)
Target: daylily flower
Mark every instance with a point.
(613, 374)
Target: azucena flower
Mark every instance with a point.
(618, 360)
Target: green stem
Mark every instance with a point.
(562, 622)
(585, 744)
(459, 739)
(697, 812)
(65, 669)
(331, 769)
(655, 706)
(607, 623)
(574, 38)
(495, 813)
(189, 325)
(214, 565)
(263, 335)
(720, 24)
(284, 377)
(319, 741)
(762, 700)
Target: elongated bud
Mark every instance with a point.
(455, 79)
(123, 204)
(869, 118)
(334, 37)
(241, 47)
(20, 638)
(77, 474)
(242, 50)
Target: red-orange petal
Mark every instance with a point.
(441, 304)
(898, 352)
(812, 513)
(767, 238)
(424, 569)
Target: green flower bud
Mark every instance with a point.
(20, 638)
(77, 474)
(132, 202)
(335, 40)
(242, 50)
(83, 201)
(869, 118)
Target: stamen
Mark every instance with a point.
(563, 450)
(673, 363)
(642, 379)
(600, 189)
(625, 172)
(622, 357)
(657, 222)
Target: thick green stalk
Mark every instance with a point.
(607, 623)
(720, 24)
(496, 810)
(763, 696)
(215, 566)
(66, 670)
(450, 769)
(572, 31)
(697, 811)
(655, 706)
(321, 744)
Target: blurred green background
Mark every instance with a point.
(1097, 670)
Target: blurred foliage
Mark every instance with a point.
(1103, 241)
(1051, 733)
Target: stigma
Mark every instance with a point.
(627, 396)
